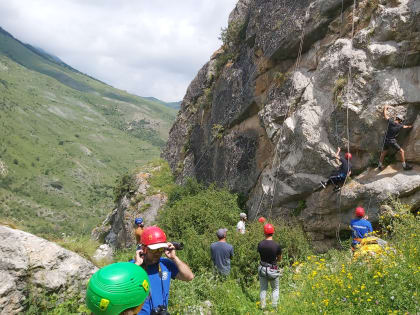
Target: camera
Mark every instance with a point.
(178, 245)
(160, 310)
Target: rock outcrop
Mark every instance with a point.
(117, 230)
(28, 262)
(291, 84)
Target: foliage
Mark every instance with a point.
(217, 131)
(52, 304)
(162, 178)
(234, 34)
(338, 89)
(124, 186)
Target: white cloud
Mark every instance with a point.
(150, 48)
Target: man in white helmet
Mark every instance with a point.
(240, 227)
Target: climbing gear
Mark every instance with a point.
(153, 237)
(336, 188)
(273, 266)
(370, 246)
(268, 229)
(360, 212)
(117, 287)
(242, 215)
(348, 156)
(269, 272)
(138, 221)
(323, 184)
(261, 220)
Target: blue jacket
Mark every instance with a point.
(360, 228)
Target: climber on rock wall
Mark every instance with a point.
(394, 127)
(343, 172)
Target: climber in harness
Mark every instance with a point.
(160, 270)
(360, 227)
(104, 296)
(394, 127)
(268, 270)
(138, 229)
(343, 172)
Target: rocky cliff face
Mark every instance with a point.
(28, 262)
(117, 230)
(290, 85)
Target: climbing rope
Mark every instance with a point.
(350, 80)
(277, 155)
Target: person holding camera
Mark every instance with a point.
(268, 270)
(160, 270)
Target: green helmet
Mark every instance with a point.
(117, 287)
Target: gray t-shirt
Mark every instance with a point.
(221, 254)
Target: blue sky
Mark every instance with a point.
(149, 48)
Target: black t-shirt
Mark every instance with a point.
(269, 250)
(345, 166)
(393, 129)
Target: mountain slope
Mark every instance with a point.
(64, 138)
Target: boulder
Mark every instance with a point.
(30, 262)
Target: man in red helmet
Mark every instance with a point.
(160, 270)
(268, 270)
(360, 226)
(343, 172)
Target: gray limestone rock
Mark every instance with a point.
(30, 261)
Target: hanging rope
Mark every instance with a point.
(350, 88)
(277, 155)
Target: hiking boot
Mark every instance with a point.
(323, 184)
(407, 167)
(336, 189)
(380, 167)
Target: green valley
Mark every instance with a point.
(64, 140)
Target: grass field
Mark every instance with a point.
(65, 138)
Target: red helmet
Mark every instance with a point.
(261, 220)
(360, 212)
(347, 156)
(153, 237)
(268, 229)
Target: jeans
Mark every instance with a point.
(264, 286)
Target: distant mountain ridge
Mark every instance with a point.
(175, 105)
(64, 139)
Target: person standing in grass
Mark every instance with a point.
(241, 224)
(268, 270)
(221, 253)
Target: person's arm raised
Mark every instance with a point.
(184, 271)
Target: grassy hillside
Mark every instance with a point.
(64, 139)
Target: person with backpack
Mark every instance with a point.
(104, 295)
(394, 127)
(221, 253)
(360, 227)
(268, 270)
(343, 171)
(160, 270)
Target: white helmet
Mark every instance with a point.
(242, 215)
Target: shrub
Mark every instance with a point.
(124, 186)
